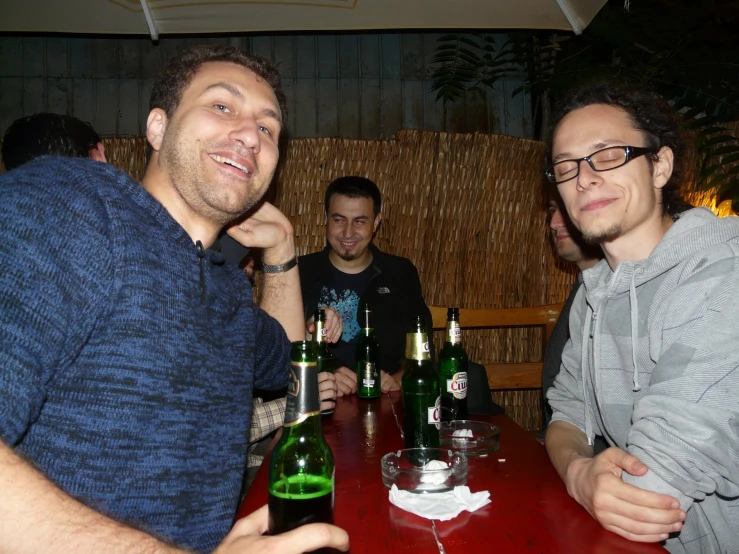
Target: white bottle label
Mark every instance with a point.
(457, 385)
(368, 382)
(435, 413)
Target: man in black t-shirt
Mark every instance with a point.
(351, 271)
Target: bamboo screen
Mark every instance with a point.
(468, 210)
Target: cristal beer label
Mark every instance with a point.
(434, 414)
(302, 394)
(323, 332)
(454, 332)
(417, 346)
(457, 385)
(368, 373)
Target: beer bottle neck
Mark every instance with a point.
(417, 346)
(368, 332)
(303, 402)
(319, 336)
(453, 332)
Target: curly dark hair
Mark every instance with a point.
(649, 113)
(179, 72)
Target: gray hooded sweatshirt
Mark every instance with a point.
(652, 366)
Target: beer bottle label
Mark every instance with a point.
(302, 394)
(457, 385)
(434, 413)
(417, 346)
(454, 333)
(368, 373)
(323, 332)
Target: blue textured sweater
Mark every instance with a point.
(127, 361)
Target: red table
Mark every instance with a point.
(530, 509)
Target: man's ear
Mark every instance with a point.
(662, 167)
(378, 220)
(98, 153)
(156, 126)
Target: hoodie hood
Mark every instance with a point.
(694, 231)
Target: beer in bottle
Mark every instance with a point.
(324, 356)
(420, 391)
(301, 468)
(368, 356)
(453, 371)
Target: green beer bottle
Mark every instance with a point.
(453, 371)
(301, 467)
(324, 356)
(368, 357)
(420, 391)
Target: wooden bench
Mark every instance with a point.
(525, 375)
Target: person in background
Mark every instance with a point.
(569, 246)
(351, 271)
(652, 364)
(50, 134)
(123, 414)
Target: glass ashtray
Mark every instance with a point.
(424, 470)
(474, 438)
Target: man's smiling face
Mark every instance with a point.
(220, 146)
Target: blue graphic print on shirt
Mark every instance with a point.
(346, 302)
(343, 292)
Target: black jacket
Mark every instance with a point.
(394, 293)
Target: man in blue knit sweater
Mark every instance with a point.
(128, 349)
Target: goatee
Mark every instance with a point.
(599, 237)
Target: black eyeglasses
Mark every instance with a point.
(602, 160)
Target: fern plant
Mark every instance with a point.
(686, 51)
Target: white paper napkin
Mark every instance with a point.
(440, 505)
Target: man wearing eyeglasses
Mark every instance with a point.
(652, 363)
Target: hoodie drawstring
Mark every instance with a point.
(634, 308)
(587, 333)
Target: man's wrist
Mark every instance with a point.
(574, 467)
(279, 254)
(281, 268)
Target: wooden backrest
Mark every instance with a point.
(525, 375)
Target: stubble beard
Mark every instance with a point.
(186, 172)
(597, 237)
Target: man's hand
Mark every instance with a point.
(334, 325)
(267, 228)
(346, 381)
(634, 513)
(327, 390)
(247, 537)
(389, 383)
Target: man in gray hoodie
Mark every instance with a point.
(652, 361)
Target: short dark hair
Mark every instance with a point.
(47, 134)
(649, 113)
(354, 187)
(172, 81)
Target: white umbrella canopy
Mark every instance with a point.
(155, 17)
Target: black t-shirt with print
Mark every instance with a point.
(342, 292)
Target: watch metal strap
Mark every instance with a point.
(281, 268)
